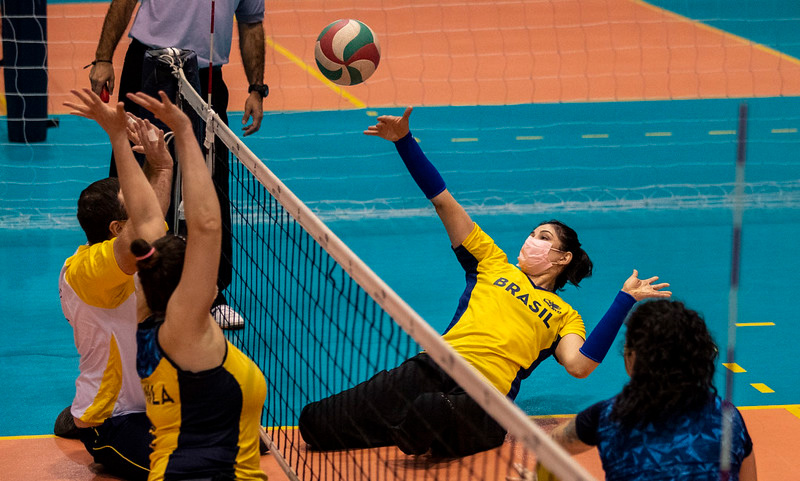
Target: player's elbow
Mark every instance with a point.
(208, 224)
(579, 373)
(580, 369)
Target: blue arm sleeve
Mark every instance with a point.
(602, 337)
(422, 171)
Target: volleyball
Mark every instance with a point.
(347, 52)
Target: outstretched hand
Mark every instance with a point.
(391, 127)
(112, 118)
(164, 109)
(644, 288)
(150, 142)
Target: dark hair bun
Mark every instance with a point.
(141, 248)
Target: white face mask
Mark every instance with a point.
(533, 256)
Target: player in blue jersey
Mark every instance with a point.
(508, 321)
(666, 422)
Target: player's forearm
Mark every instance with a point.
(251, 46)
(160, 180)
(566, 436)
(140, 200)
(602, 337)
(116, 21)
(201, 205)
(421, 169)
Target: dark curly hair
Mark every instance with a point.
(159, 272)
(580, 267)
(673, 367)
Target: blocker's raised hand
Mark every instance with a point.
(151, 144)
(112, 118)
(164, 109)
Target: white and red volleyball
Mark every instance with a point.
(347, 52)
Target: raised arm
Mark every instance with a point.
(117, 18)
(580, 358)
(149, 141)
(456, 221)
(190, 302)
(141, 201)
(251, 46)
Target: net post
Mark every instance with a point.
(211, 54)
(733, 295)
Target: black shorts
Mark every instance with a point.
(121, 444)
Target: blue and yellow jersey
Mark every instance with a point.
(204, 423)
(98, 301)
(505, 325)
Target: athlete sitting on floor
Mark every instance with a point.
(97, 296)
(508, 321)
(204, 396)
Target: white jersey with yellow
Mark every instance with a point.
(99, 302)
(505, 325)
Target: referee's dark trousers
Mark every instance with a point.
(131, 81)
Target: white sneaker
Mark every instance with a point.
(226, 317)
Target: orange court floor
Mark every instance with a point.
(49, 458)
(452, 52)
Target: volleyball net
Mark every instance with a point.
(574, 61)
(319, 321)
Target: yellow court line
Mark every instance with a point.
(754, 324)
(791, 130)
(277, 427)
(721, 132)
(314, 73)
(529, 137)
(792, 408)
(30, 436)
(551, 416)
(594, 136)
(769, 406)
(716, 30)
(762, 388)
(464, 139)
(372, 113)
(658, 134)
(733, 367)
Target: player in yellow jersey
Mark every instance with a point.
(508, 321)
(97, 296)
(204, 397)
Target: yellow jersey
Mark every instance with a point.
(505, 325)
(204, 423)
(98, 300)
